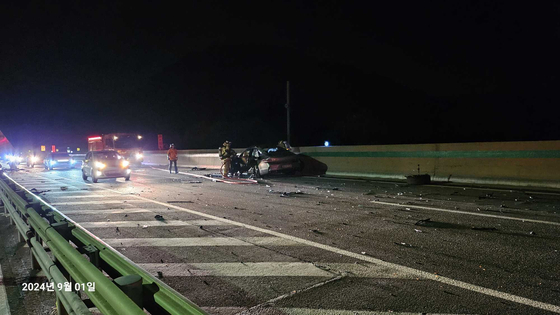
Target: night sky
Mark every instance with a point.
(360, 72)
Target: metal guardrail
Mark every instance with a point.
(128, 289)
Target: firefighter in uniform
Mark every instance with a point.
(226, 153)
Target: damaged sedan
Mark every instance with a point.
(276, 161)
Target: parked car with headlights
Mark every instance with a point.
(58, 160)
(35, 159)
(105, 164)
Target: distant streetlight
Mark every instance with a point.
(327, 143)
(139, 137)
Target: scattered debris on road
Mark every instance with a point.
(418, 231)
(195, 182)
(404, 244)
(180, 201)
(160, 274)
(423, 222)
(144, 226)
(159, 217)
(63, 188)
(532, 233)
(198, 168)
(316, 231)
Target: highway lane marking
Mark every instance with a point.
(200, 241)
(88, 196)
(405, 269)
(100, 224)
(4, 305)
(93, 202)
(412, 206)
(58, 191)
(309, 311)
(106, 211)
(237, 269)
(275, 269)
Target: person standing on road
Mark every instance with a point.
(226, 153)
(172, 157)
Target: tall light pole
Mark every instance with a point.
(288, 110)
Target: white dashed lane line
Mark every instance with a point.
(403, 269)
(200, 241)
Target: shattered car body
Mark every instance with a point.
(276, 161)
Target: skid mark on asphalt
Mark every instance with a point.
(404, 269)
(197, 223)
(200, 241)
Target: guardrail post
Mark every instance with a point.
(34, 262)
(131, 285)
(60, 310)
(93, 254)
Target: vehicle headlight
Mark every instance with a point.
(19, 159)
(34, 159)
(72, 161)
(125, 163)
(10, 158)
(100, 165)
(139, 156)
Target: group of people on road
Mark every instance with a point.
(226, 154)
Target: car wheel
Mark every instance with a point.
(127, 177)
(51, 168)
(46, 167)
(84, 176)
(93, 179)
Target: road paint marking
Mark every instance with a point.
(464, 212)
(107, 211)
(238, 269)
(4, 306)
(101, 224)
(412, 271)
(92, 202)
(309, 311)
(200, 241)
(58, 191)
(217, 179)
(88, 196)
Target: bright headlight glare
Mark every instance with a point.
(19, 159)
(139, 156)
(100, 165)
(34, 159)
(125, 163)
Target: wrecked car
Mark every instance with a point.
(275, 161)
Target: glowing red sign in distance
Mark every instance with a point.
(94, 138)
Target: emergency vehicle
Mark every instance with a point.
(128, 145)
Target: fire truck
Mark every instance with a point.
(129, 145)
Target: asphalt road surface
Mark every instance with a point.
(316, 245)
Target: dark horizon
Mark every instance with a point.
(359, 73)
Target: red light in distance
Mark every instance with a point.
(94, 138)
